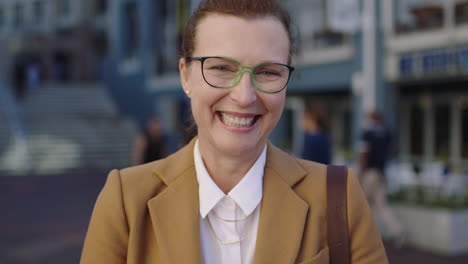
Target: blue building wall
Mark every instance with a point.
(322, 78)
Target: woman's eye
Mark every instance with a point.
(221, 68)
(267, 72)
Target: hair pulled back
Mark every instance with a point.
(249, 9)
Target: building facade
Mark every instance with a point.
(426, 63)
(407, 60)
(67, 38)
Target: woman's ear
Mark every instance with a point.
(184, 69)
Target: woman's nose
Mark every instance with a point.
(244, 92)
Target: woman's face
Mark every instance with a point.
(235, 121)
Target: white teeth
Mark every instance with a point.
(237, 121)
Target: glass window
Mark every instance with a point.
(18, 16)
(461, 12)
(172, 17)
(417, 15)
(132, 34)
(314, 28)
(38, 9)
(442, 132)
(416, 130)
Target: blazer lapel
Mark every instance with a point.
(282, 213)
(175, 211)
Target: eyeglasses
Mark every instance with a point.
(222, 72)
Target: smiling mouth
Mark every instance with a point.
(237, 121)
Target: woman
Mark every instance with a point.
(230, 196)
(317, 146)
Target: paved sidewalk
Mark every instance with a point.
(47, 216)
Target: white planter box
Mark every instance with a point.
(438, 230)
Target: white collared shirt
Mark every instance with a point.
(242, 202)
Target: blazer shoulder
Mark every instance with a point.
(319, 170)
(312, 187)
(294, 171)
(144, 182)
(160, 171)
(139, 174)
(315, 170)
(138, 185)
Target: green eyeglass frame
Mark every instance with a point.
(243, 69)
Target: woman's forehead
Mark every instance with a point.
(239, 38)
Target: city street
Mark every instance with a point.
(90, 85)
(45, 220)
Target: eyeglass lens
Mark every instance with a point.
(223, 73)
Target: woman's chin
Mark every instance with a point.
(240, 149)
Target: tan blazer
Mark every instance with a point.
(150, 214)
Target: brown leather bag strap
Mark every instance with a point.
(337, 215)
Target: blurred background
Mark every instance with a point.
(79, 81)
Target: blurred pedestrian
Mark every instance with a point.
(150, 145)
(317, 145)
(376, 143)
(60, 69)
(230, 196)
(19, 80)
(33, 74)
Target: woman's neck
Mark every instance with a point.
(227, 171)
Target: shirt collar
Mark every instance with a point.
(247, 193)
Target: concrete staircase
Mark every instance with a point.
(69, 127)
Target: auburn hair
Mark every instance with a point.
(249, 9)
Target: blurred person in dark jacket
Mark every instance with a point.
(150, 144)
(376, 143)
(19, 80)
(317, 145)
